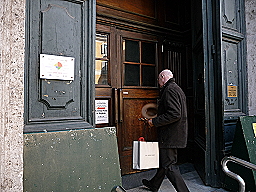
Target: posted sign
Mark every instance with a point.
(56, 67)
(232, 91)
(101, 111)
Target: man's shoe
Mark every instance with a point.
(149, 185)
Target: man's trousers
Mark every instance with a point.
(168, 167)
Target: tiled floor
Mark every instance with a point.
(189, 174)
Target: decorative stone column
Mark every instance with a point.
(12, 49)
(250, 11)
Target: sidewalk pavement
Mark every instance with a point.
(191, 177)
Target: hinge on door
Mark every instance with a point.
(213, 49)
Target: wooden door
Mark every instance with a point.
(125, 77)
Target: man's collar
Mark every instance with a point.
(171, 80)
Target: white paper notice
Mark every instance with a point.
(101, 111)
(56, 67)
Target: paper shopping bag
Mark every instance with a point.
(145, 155)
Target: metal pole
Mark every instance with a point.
(246, 164)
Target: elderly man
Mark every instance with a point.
(171, 123)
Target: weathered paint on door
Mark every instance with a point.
(60, 28)
(218, 44)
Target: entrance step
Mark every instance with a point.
(132, 183)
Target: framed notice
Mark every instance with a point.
(101, 111)
(232, 91)
(56, 67)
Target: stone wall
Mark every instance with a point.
(12, 42)
(250, 9)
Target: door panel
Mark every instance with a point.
(130, 129)
(199, 65)
(233, 67)
(130, 83)
(138, 69)
(218, 79)
(52, 98)
(50, 89)
(200, 132)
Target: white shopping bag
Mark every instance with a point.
(145, 155)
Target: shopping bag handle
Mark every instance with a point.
(141, 139)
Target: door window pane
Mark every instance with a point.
(148, 75)
(101, 60)
(101, 72)
(132, 75)
(101, 46)
(132, 51)
(139, 63)
(148, 52)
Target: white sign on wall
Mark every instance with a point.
(101, 111)
(56, 67)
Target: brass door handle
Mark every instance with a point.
(116, 105)
(121, 105)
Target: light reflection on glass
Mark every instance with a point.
(102, 60)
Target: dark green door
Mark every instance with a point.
(59, 64)
(219, 79)
(206, 70)
(200, 127)
(233, 66)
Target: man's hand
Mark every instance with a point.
(150, 123)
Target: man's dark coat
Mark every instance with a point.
(171, 120)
